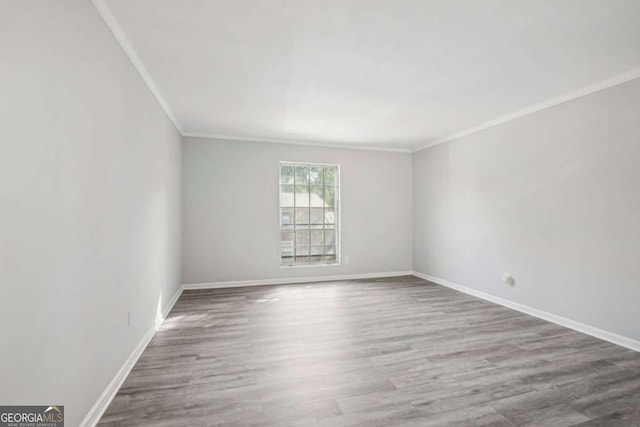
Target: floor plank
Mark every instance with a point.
(393, 351)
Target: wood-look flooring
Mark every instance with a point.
(394, 351)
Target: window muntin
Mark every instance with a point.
(309, 212)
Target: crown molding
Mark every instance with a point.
(294, 142)
(120, 36)
(585, 91)
(122, 39)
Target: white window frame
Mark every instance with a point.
(338, 224)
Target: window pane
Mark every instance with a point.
(286, 195)
(286, 238)
(302, 175)
(286, 174)
(315, 175)
(302, 237)
(317, 250)
(330, 176)
(302, 195)
(330, 196)
(329, 237)
(286, 217)
(329, 216)
(286, 252)
(309, 198)
(317, 196)
(317, 237)
(316, 216)
(302, 250)
(302, 216)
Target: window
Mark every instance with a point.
(309, 214)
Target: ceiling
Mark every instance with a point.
(394, 74)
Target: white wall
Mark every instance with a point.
(230, 210)
(552, 198)
(89, 205)
(90, 213)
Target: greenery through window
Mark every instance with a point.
(309, 195)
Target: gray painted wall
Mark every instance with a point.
(230, 210)
(551, 198)
(89, 205)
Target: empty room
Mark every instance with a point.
(319, 213)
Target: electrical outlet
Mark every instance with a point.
(129, 319)
(346, 260)
(507, 279)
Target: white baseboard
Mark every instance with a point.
(93, 417)
(169, 305)
(96, 412)
(559, 320)
(291, 280)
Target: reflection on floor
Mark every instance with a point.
(377, 352)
